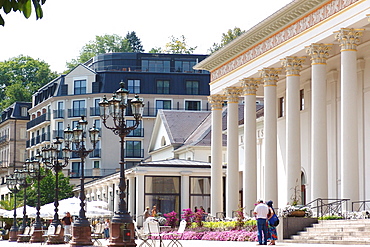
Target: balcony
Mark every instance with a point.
(43, 118)
(58, 133)
(4, 138)
(96, 153)
(76, 112)
(89, 173)
(58, 113)
(134, 153)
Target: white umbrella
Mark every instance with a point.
(3, 211)
(98, 204)
(30, 212)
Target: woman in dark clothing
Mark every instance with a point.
(272, 233)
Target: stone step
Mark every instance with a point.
(341, 242)
(328, 236)
(354, 233)
(338, 229)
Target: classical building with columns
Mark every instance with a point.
(310, 62)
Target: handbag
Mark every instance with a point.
(274, 220)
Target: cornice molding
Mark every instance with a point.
(284, 24)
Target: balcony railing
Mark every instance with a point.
(58, 113)
(89, 173)
(43, 118)
(3, 138)
(76, 112)
(134, 153)
(96, 153)
(45, 136)
(58, 133)
(151, 69)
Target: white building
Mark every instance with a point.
(310, 62)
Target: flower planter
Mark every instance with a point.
(297, 213)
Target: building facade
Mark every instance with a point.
(310, 63)
(164, 81)
(13, 136)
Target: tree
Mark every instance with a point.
(227, 37)
(47, 189)
(102, 44)
(135, 42)
(23, 6)
(20, 77)
(178, 46)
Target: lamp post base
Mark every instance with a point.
(13, 234)
(37, 234)
(122, 230)
(58, 238)
(81, 233)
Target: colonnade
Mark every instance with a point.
(269, 77)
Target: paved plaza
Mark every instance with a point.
(190, 243)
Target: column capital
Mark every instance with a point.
(232, 94)
(348, 38)
(270, 76)
(319, 52)
(293, 65)
(216, 101)
(250, 85)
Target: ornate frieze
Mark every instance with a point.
(348, 38)
(216, 101)
(250, 85)
(272, 39)
(270, 76)
(293, 65)
(232, 94)
(319, 53)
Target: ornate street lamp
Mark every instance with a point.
(34, 168)
(81, 228)
(51, 156)
(12, 182)
(122, 227)
(24, 184)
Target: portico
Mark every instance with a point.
(316, 114)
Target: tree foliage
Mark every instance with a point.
(105, 44)
(23, 6)
(227, 37)
(135, 42)
(178, 46)
(47, 189)
(20, 77)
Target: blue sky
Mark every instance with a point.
(69, 24)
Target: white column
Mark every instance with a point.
(116, 195)
(140, 190)
(319, 154)
(293, 67)
(131, 196)
(250, 86)
(270, 78)
(216, 102)
(110, 197)
(232, 175)
(348, 39)
(185, 186)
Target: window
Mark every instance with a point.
(192, 105)
(200, 192)
(163, 87)
(96, 164)
(59, 113)
(80, 87)
(301, 100)
(138, 132)
(133, 86)
(184, 66)
(75, 172)
(155, 65)
(24, 111)
(163, 104)
(281, 107)
(79, 108)
(60, 130)
(133, 149)
(95, 111)
(192, 87)
(164, 192)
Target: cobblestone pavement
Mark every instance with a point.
(187, 243)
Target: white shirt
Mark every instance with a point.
(261, 211)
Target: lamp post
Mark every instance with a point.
(12, 182)
(24, 184)
(122, 227)
(81, 228)
(34, 168)
(51, 156)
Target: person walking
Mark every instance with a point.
(67, 222)
(272, 233)
(106, 228)
(260, 212)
